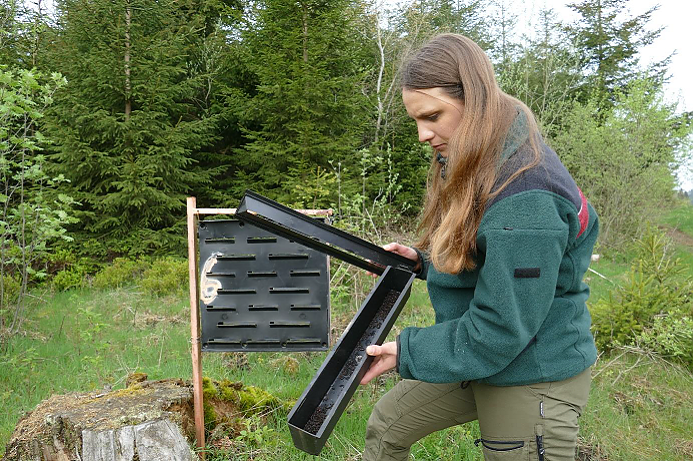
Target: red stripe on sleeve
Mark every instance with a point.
(583, 214)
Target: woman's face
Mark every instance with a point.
(437, 115)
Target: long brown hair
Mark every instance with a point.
(454, 206)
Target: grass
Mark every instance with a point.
(84, 340)
(603, 276)
(89, 339)
(680, 217)
(639, 408)
(679, 224)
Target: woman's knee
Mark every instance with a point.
(538, 420)
(380, 443)
(380, 418)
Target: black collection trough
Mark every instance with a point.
(317, 411)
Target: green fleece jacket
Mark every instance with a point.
(520, 317)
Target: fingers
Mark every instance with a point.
(394, 248)
(373, 372)
(377, 368)
(373, 369)
(401, 250)
(374, 350)
(385, 360)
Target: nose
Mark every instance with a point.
(425, 134)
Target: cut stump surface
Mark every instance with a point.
(148, 421)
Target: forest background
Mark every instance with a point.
(113, 111)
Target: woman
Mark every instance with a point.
(506, 239)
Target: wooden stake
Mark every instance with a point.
(195, 326)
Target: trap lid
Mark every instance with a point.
(281, 220)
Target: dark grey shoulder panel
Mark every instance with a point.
(550, 175)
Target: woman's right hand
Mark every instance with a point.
(401, 250)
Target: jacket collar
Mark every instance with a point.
(517, 136)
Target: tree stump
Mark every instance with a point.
(148, 421)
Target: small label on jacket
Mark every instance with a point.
(527, 273)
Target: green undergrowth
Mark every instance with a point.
(90, 339)
(639, 408)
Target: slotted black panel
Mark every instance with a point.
(260, 292)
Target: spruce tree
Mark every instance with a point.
(306, 108)
(609, 40)
(22, 31)
(129, 127)
(9, 28)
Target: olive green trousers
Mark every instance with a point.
(531, 422)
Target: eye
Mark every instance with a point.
(432, 117)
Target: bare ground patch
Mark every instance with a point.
(677, 236)
(590, 450)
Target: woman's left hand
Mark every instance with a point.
(385, 360)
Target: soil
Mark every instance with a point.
(678, 236)
(318, 417)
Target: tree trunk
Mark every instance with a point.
(128, 101)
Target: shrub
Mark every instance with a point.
(167, 275)
(654, 291)
(69, 278)
(11, 288)
(67, 269)
(122, 271)
(60, 259)
(671, 336)
(33, 214)
(623, 158)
